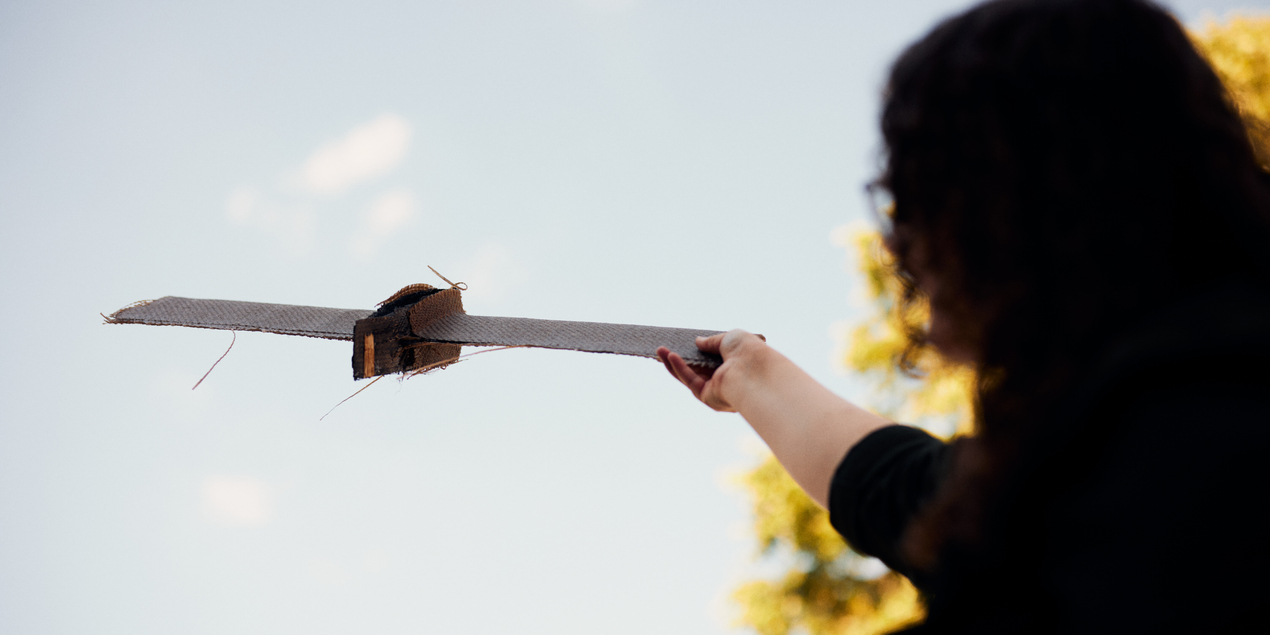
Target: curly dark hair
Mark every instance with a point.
(1064, 167)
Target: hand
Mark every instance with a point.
(707, 384)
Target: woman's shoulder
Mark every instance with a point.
(878, 486)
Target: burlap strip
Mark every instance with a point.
(459, 328)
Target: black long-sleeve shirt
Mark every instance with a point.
(1142, 508)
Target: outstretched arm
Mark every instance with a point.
(808, 428)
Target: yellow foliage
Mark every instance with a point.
(944, 392)
(822, 605)
(1239, 52)
(783, 512)
(824, 591)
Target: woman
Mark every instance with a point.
(1080, 204)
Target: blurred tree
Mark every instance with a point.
(1239, 51)
(828, 589)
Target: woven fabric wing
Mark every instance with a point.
(593, 337)
(457, 328)
(230, 315)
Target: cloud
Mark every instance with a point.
(294, 225)
(367, 151)
(286, 213)
(381, 219)
(490, 273)
(237, 501)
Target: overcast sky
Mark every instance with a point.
(667, 163)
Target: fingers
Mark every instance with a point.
(681, 371)
(687, 375)
(705, 382)
(700, 384)
(664, 354)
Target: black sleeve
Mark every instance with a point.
(880, 484)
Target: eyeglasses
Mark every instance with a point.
(881, 205)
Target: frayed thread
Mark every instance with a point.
(209, 371)
(372, 383)
(461, 286)
(113, 318)
(418, 371)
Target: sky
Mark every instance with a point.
(665, 163)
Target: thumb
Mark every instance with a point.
(732, 341)
(710, 343)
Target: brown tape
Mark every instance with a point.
(386, 343)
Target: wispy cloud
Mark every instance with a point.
(292, 224)
(490, 273)
(367, 151)
(287, 211)
(380, 220)
(237, 501)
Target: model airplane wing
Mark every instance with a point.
(417, 328)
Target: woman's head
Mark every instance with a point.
(1060, 168)
(1045, 151)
